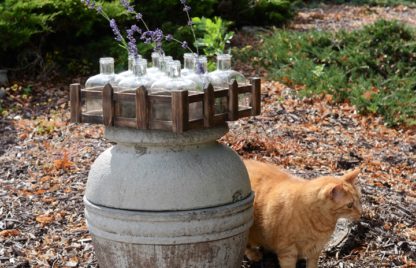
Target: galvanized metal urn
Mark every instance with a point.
(160, 199)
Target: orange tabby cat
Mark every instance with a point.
(294, 217)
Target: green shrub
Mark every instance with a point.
(257, 12)
(373, 68)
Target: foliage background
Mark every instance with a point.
(62, 36)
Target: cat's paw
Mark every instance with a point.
(253, 254)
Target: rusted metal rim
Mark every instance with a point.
(170, 227)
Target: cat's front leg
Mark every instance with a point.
(253, 253)
(312, 262)
(288, 258)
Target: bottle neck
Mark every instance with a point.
(107, 68)
(189, 61)
(174, 69)
(201, 65)
(164, 64)
(224, 62)
(140, 68)
(156, 60)
(130, 62)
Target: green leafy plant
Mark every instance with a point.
(215, 36)
(373, 68)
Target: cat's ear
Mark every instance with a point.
(336, 192)
(351, 176)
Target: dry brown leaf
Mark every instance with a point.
(10, 232)
(63, 163)
(45, 219)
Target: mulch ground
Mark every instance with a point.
(44, 163)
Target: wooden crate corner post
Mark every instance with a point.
(233, 101)
(142, 108)
(255, 96)
(180, 111)
(108, 105)
(75, 102)
(209, 110)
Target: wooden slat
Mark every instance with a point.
(209, 110)
(161, 125)
(142, 108)
(75, 100)
(220, 93)
(244, 113)
(125, 122)
(196, 124)
(124, 96)
(160, 98)
(92, 119)
(92, 94)
(180, 111)
(220, 119)
(196, 97)
(244, 89)
(255, 96)
(108, 105)
(233, 102)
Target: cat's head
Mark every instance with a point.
(342, 196)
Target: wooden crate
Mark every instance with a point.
(179, 103)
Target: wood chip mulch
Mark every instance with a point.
(44, 162)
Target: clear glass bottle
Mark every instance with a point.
(175, 81)
(106, 75)
(164, 64)
(129, 72)
(163, 111)
(155, 69)
(130, 84)
(224, 76)
(139, 78)
(189, 60)
(199, 74)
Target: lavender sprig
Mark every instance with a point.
(186, 9)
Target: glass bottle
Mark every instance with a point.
(188, 64)
(138, 79)
(199, 73)
(129, 72)
(175, 81)
(106, 75)
(130, 84)
(224, 76)
(163, 111)
(155, 69)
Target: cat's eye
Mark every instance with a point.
(349, 205)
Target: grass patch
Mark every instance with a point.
(374, 68)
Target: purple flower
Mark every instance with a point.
(99, 9)
(127, 6)
(115, 29)
(139, 16)
(186, 8)
(184, 44)
(169, 37)
(157, 35)
(200, 68)
(183, 2)
(136, 28)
